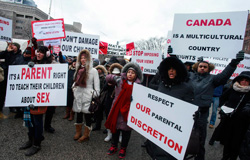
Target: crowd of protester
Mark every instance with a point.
(112, 81)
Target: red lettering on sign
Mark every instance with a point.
(211, 22)
(36, 73)
(42, 97)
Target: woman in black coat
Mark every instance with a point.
(235, 125)
(175, 83)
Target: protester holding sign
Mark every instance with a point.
(236, 123)
(33, 117)
(86, 82)
(174, 82)
(204, 84)
(117, 119)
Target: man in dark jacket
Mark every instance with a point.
(204, 84)
(10, 55)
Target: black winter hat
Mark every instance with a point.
(244, 74)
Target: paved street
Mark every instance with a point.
(61, 145)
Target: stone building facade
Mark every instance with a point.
(22, 15)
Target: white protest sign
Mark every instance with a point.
(148, 60)
(116, 50)
(48, 29)
(54, 42)
(42, 85)
(73, 43)
(164, 120)
(221, 64)
(5, 29)
(187, 58)
(209, 34)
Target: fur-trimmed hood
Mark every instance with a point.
(195, 66)
(101, 67)
(88, 64)
(137, 69)
(177, 64)
(115, 65)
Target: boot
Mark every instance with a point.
(2, 116)
(109, 136)
(86, 134)
(67, 113)
(33, 150)
(27, 144)
(78, 131)
(71, 117)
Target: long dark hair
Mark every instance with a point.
(45, 60)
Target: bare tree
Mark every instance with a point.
(27, 33)
(153, 43)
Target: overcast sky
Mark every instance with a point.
(132, 20)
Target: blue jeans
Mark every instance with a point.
(216, 101)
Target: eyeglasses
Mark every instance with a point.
(203, 66)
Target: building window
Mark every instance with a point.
(17, 33)
(19, 15)
(19, 21)
(37, 19)
(29, 17)
(18, 27)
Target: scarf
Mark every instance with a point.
(239, 88)
(27, 118)
(79, 77)
(121, 105)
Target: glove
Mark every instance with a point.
(200, 59)
(31, 64)
(170, 49)
(240, 56)
(196, 115)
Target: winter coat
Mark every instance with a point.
(10, 58)
(83, 95)
(204, 84)
(245, 147)
(181, 88)
(22, 60)
(120, 81)
(102, 76)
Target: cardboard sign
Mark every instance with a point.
(209, 34)
(221, 63)
(164, 120)
(103, 47)
(54, 42)
(116, 50)
(148, 60)
(48, 29)
(5, 29)
(73, 43)
(42, 85)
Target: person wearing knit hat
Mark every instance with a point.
(17, 45)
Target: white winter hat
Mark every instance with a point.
(116, 71)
